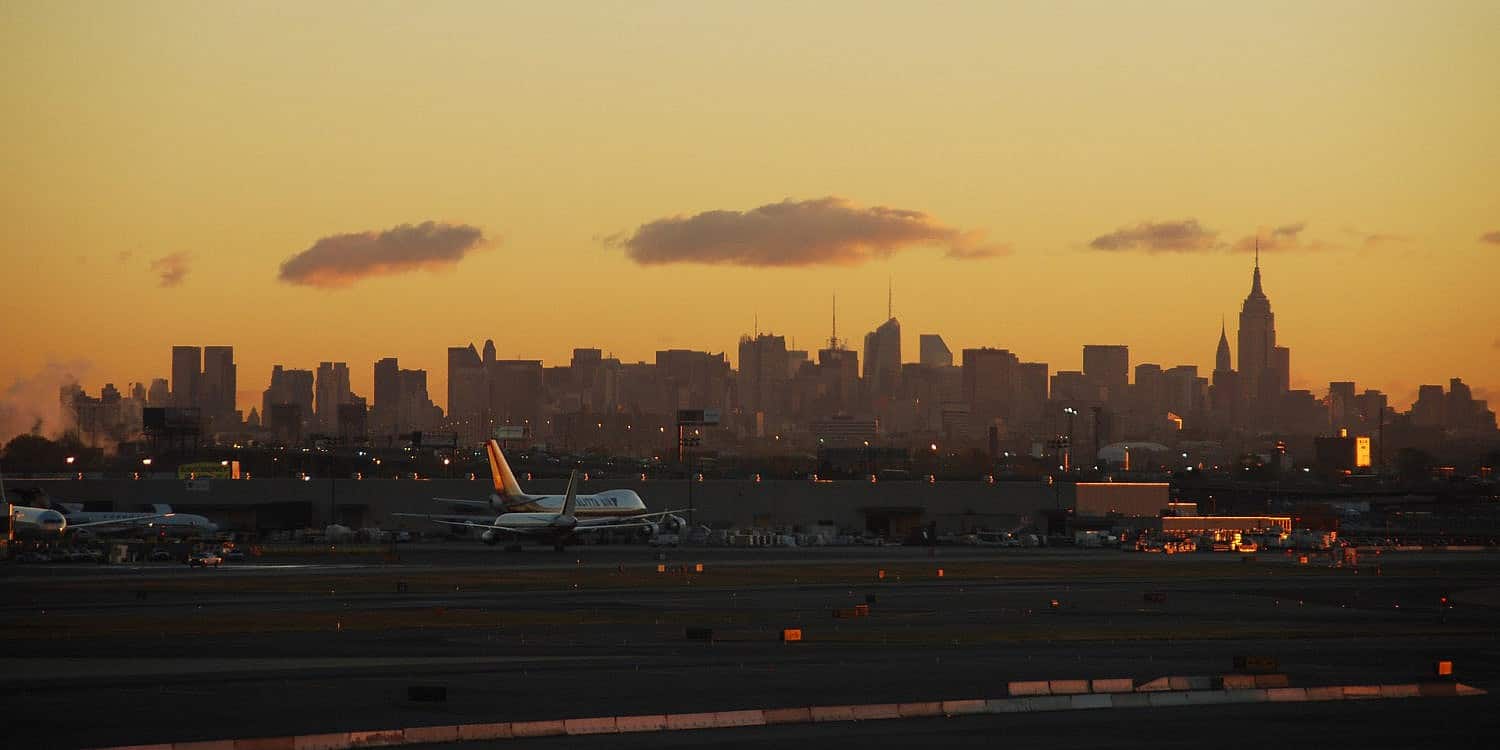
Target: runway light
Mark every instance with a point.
(70, 460)
(145, 462)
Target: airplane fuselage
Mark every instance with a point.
(598, 505)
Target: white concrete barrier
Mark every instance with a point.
(876, 711)
(1286, 695)
(596, 725)
(1048, 702)
(750, 718)
(1156, 685)
(832, 713)
(1034, 687)
(915, 710)
(1361, 692)
(704, 720)
(1249, 695)
(1090, 701)
(334, 741)
(1130, 700)
(647, 723)
(437, 734)
(1271, 681)
(1238, 681)
(1006, 706)
(1169, 698)
(497, 731)
(537, 728)
(377, 738)
(801, 715)
(1190, 683)
(1206, 697)
(963, 708)
(1470, 690)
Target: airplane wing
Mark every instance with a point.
(662, 513)
(119, 521)
(485, 504)
(488, 526)
(444, 520)
(598, 527)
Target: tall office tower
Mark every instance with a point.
(1281, 367)
(692, 379)
(933, 351)
(468, 394)
(584, 369)
(1427, 410)
(1183, 390)
(217, 388)
(1257, 344)
(988, 385)
(763, 379)
(1029, 401)
(516, 393)
(1342, 412)
(883, 359)
(159, 394)
(333, 389)
(289, 394)
(1224, 394)
(489, 352)
(187, 368)
(416, 410)
(1147, 397)
(1107, 367)
(387, 396)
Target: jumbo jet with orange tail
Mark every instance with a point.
(554, 518)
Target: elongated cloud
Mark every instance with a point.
(171, 269)
(821, 231)
(1491, 237)
(1285, 238)
(1183, 236)
(342, 259)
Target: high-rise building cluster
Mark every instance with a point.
(781, 398)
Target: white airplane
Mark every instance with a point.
(161, 521)
(508, 497)
(32, 522)
(613, 509)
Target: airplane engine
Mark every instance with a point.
(649, 530)
(675, 523)
(489, 537)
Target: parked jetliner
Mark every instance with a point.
(161, 521)
(508, 497)
(613, 509)
(30, 522)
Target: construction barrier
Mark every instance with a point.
(1039, 687)
(1125, 685)
(1105, 694)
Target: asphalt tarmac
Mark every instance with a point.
(102, 655)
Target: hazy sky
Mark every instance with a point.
(636, 176)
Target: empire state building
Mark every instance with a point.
(1257, 350)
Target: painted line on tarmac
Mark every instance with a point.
(1030, 699)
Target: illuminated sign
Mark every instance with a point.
(1362, 452)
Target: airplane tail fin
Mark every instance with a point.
(161, 508)
(570, 503)
(500, 474)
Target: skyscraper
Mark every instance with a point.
(1107, 367)
(387, 406)
(883, 359)
(187, 368)
(332, 390)
(217, 393)
(933, 351)
(763, 379)
(468, 394)
(1257, 343)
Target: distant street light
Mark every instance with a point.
(145, 462)
(70, 460)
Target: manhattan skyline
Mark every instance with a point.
(1024, 193)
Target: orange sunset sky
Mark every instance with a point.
(643, 175)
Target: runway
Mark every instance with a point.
(334, 645)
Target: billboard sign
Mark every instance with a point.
(510, 432)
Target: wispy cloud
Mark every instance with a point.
(821, 231)
(1184, 236)
(1372, 240)
(171, 269)
(1491, 237)
(1282, 239)
(342, 259)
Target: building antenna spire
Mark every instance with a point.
(888, 308)
(1257, 252)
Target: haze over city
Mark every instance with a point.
(653, 177)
